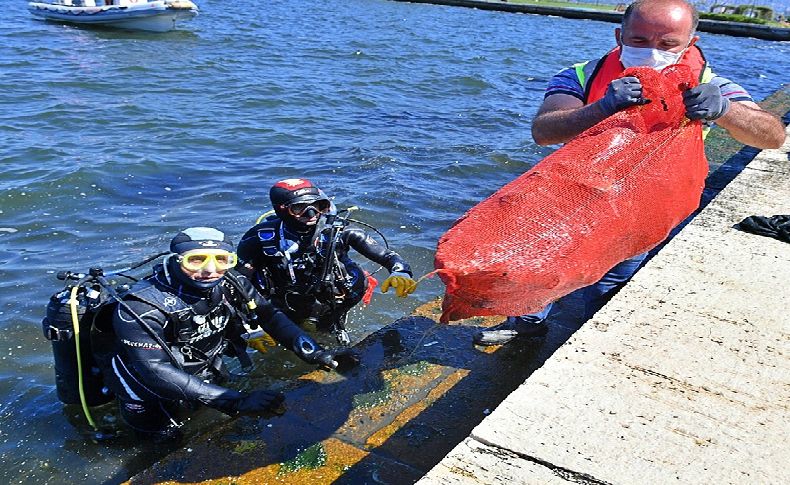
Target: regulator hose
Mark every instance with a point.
(386, 244)
(76, 324)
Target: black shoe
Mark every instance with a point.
(510, 329)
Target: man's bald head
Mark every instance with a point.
(671, 10)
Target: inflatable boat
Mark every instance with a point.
(149, 15)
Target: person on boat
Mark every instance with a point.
(286, 257)
(171, 329)
(654, 33)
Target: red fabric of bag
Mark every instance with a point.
(613, 192)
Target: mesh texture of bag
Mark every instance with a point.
(613, 192)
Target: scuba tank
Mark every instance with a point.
(69, 331)
(77, 315)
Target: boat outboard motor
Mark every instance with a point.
(68, 334)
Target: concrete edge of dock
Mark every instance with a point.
(684, 377)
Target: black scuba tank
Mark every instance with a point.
(59, 329)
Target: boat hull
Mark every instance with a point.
(155, 17)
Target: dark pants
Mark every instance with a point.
(150, 419)
(150, 416)
(598, 294)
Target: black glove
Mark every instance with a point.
(306, 348)
(340, 359)
(622, 93)
(705, 102)
(309, 351)
(259, 402)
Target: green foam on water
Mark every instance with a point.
(311, 458)
(372, 399)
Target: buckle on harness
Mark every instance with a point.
(187, 351)
(57, 334)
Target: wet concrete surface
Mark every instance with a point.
(419, 390)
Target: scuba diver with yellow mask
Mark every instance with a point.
(160, 344)
(299, 258)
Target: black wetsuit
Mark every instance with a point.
(287, 266)
(198, 326)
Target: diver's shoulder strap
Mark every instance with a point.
(147, 292)
(268, 233)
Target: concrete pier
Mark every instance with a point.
(684, 377)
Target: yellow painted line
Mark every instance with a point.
(381, 436)
(339, 457)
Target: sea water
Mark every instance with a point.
(111, 142)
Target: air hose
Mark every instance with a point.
(76, 324)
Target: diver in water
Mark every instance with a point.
(170, 331)
(299, 258)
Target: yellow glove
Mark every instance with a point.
(259, 340)
(402, 283)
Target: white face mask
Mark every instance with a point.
(645, 56)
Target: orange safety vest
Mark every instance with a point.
(609, 68)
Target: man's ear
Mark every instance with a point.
(694, 40)
(617, 36)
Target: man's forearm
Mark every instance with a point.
(753, 127)
(561, 126)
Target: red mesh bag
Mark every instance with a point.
(613, 192)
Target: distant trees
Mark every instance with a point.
(754, 14)
(751, 10)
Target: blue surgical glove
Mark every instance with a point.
(622, 93)
(705, 102)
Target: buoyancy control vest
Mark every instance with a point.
(196, 334)
(294, 267)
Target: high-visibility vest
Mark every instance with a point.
(595, 77)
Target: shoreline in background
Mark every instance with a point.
(736, 29)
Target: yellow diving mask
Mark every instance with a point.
(198, 259)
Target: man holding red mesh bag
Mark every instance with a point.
(657, 34)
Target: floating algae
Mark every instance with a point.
(312, 458)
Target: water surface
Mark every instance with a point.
(113, 141)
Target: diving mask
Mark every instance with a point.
(197, 260)
(298, 209)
